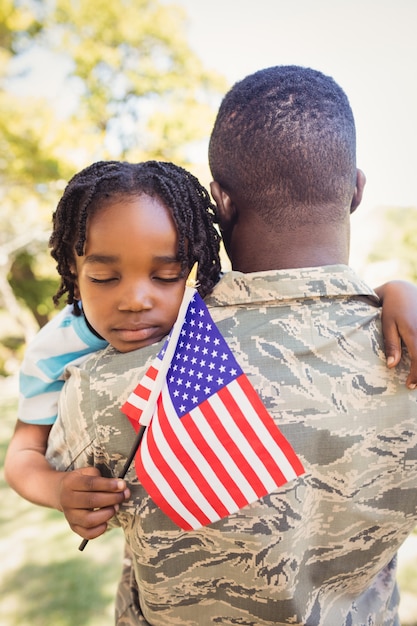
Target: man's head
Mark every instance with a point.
(283, 146)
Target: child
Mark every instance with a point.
(125, 237)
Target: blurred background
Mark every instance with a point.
(84, 80)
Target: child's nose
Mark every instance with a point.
(136, 297)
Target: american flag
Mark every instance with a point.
(210, 446)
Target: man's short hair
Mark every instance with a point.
(285, 137)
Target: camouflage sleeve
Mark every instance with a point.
(70, 439)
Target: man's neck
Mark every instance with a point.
(311, 246)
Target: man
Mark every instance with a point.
(319, 551)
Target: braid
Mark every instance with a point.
(194, 216)
(189, 203)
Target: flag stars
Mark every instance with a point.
(205, 363)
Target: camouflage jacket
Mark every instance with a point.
(321, 550)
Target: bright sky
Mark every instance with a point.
(370, 49)
(368, 46)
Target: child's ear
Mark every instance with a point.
(77, 294)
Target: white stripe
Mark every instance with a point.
(195, 453)
(259, 427)
(137, 401)
(164, 486)
(134, 399)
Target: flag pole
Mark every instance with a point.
(150, 405)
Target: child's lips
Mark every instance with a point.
(135, 333)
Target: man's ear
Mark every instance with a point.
(360, 185)
(225, 208)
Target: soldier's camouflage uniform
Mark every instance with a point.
(321, 550)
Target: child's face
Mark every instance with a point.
(129, 279)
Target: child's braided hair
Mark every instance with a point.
(187, 200)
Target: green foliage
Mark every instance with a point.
(32, 286)
(45, 580)
(131, 89)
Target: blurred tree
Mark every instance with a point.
(397, 242)
(131, 88)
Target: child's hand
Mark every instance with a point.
(399, 322)
(89, 500)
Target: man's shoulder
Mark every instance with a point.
(110, 374)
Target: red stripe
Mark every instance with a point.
(272, 427)
(133, 413)
(142, 392)
(169, 474)
(152, 372)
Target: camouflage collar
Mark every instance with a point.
(236, 288)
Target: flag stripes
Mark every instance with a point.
(201, 467)
(137, 400)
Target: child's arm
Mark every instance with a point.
(399, 322)
(87, 499)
